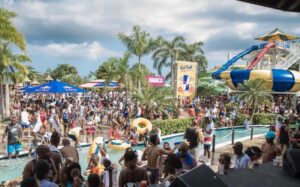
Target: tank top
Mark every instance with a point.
(14, 132)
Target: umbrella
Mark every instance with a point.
(54, 87)
(277, 35)
(26, 87)
(100, 83)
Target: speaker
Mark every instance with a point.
(200, 176)
(291, 162)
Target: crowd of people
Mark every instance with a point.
(55, 120)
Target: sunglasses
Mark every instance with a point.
(181, 150)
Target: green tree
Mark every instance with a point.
(106, 70)
(155, 99)
(8, 32)
(32, 73)
(138, 73)
(10, 37)
(166, 54)
(255, 94)
(67, 73)
(139, 43)
(11, 68)
(193, 53)
(117, 69)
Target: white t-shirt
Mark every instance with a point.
(208, 137)
(24, 117)
(37, 125)
(278, 124)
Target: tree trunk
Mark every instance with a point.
(2, 101)
(7, 109)
(172, 77)
(253, 111)
(127, 88)
(139, 78)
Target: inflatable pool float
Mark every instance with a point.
(142, 125)
(118, 145)
(93, 148)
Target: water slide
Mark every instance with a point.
(275, 80)
(257, 58)
(216, 74)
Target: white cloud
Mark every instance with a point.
(245, 30)
(69, 29)
(83, 51)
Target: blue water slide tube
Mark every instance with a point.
(216, 74)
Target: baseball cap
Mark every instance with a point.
(270, 135)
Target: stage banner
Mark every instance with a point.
(156, 81)
(185, 78)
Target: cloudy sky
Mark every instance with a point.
(83, 32)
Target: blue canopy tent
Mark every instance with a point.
(54, 87)
(26, 87)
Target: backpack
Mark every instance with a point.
(192, 137)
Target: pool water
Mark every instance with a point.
(11, 169)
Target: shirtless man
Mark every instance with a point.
(152, 154)
(68, 151)
(269, 149)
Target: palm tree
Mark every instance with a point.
(11, 68)
(32, 73)
(9, 35)
(166, 55)
(255, 94)
(193, 53)
(116, 68)
(154, 99)
(122, 65)
(138, 43)
(107, 70)
(138, 72)
(8, 32)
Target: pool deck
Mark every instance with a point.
(257, 141)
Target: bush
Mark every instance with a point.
(240, 119)
(172, 126)
(258, 119)
(264, 119)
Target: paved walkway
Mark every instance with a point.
(228, 149)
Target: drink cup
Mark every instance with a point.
(221, 169)
(250, 165)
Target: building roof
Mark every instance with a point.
(285, 5)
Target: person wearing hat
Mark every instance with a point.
(269, 149)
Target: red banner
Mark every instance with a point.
(156, 81)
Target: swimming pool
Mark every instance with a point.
(11, 169)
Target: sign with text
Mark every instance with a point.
(156, 81)
(185, 78)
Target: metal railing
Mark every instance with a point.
(233, 133)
